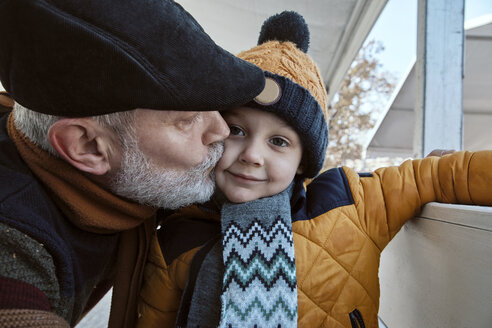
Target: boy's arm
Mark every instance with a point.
(393, 195)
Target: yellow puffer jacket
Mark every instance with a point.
(341, 223)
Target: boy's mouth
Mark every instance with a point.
(244, 178)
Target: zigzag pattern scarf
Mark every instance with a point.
(259, 287)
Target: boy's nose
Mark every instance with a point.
(252, 155)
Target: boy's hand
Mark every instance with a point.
(440, 152)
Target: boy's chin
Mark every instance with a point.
(240, 199)
(243, 196)
(239, 195)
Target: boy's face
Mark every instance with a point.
(261, 155)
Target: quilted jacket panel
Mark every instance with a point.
(338, 240)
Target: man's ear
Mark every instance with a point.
(83, 143)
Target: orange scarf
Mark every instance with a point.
(83, 202)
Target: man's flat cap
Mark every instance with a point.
(89, 57)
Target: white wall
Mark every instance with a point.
(437, 271)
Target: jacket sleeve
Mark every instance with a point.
(393, 195)
(28, 285)
(162, 288)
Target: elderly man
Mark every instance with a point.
(115, 115)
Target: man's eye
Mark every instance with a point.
(190, 121)
(236, 131)
(279, 142)
(194, 119)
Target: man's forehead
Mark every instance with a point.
(166, 115)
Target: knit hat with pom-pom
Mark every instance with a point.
(294, 89)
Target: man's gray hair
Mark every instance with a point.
(35, 126)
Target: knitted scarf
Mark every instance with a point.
(259, 286)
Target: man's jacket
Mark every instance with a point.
(341, 222)
(46, 263)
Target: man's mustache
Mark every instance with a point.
(213, 156)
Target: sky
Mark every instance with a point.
(396, 28)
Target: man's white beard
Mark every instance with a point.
(141, 181)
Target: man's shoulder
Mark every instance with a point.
(24, 204)
(12, 183)
(16, 180)
(10, 160)
(14, 174)
(17, 184)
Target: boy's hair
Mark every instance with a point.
(294, 89)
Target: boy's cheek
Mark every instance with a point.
(229, 156)
(221, 164)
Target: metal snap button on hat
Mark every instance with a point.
(270, 94)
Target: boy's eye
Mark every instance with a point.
(236, 131)
(279, 142)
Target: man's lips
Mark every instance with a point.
(245, 178)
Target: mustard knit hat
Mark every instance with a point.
(294, 89)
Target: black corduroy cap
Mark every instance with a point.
(78, 58)
(294, 89)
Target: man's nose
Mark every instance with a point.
(252, 154)
(216, 129)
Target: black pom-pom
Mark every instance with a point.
(286, 26)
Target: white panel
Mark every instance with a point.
(98, 317)
(437, 272)
(477, 86)
(477, 129)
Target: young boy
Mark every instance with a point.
(231, 263)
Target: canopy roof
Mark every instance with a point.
(394, 133)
